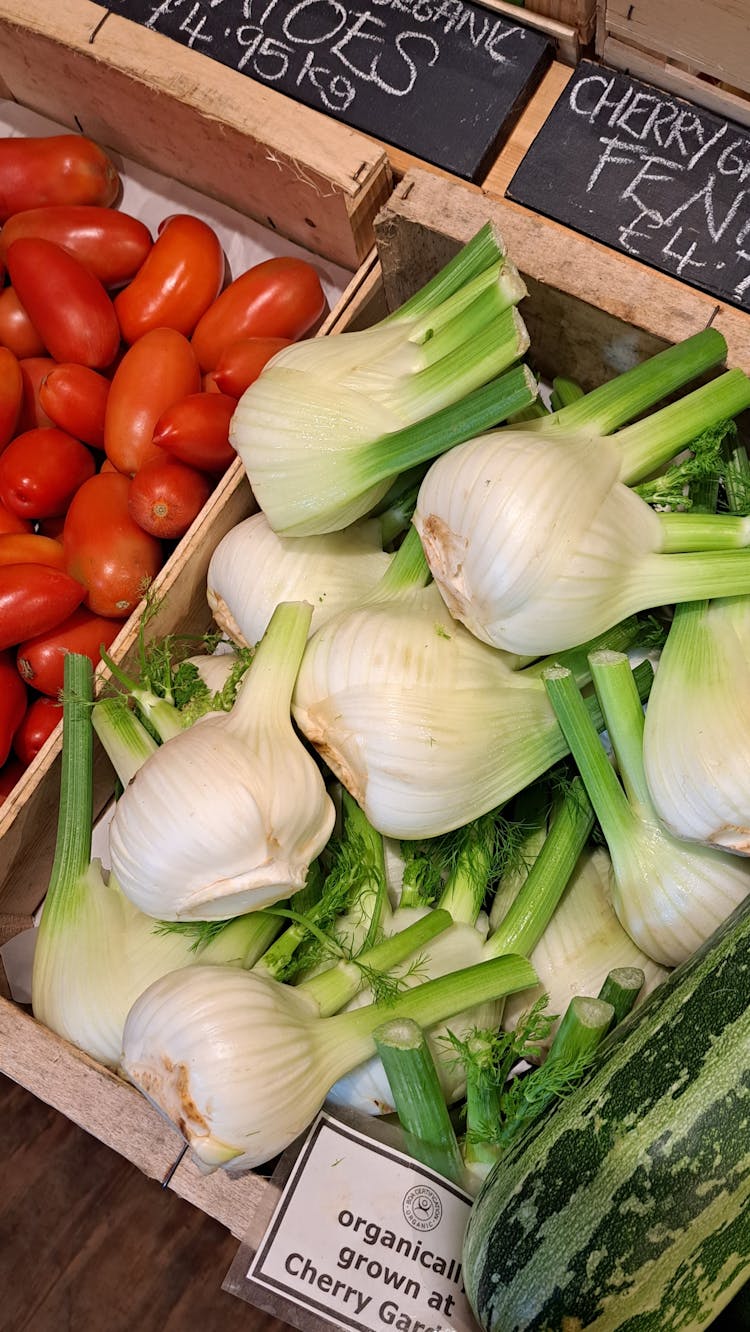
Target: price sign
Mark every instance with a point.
(361, 1237)
(443, 79)
(649, 174)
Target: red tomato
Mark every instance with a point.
(10, 775)
(166, 497)
(178, 281)
(33, 599)
(41, 470)
(75, 397)
(106, 550)
(28, 548)
(12, 703)
(155, 373)
(111, 244)
(65, 302)
(40, 660)
(241, 362)
(33, 371)
(11, 523)
(11, 395)
(59, 169)
(280, 298)
(36, 728)
(196, 431)
(16, 329)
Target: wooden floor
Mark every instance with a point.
(88, 1244)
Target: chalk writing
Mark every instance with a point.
(658, 178)
(444, 79)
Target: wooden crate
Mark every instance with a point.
(592, 311)
(698, 51)
(422, 225)
(139, 93)
(580, 15)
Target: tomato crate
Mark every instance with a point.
(136, 92)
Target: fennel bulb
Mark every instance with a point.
(253, 569)
(669, 895)
(227, 816)
(242, 1064)
(93, 958)
(423, 724)
(94, 951)
(696, 741)
(330, 422)
(582, 943)
(536, 545)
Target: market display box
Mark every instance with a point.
(423, 224)
(590, 290)
(591, 313)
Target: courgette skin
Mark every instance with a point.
(628, 1209)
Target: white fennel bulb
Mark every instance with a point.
(92, 960)
(330, 422)
(227, 816)
(242, 1063)
(253, 569)
(670, 895)
(536, 545)
(582, 943)
(214, 668)
(94, 952)
(696, 742)
(425, 726)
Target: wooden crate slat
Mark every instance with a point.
(116, 1113)
(712, 37)
(562, 30)
(591, 312)
(578, 14)
(175, 110)
(664, 74)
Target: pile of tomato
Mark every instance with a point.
(122, 357)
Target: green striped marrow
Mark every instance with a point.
(629, 1207)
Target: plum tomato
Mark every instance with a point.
(280, 298)
(41, 470)
(106, 550)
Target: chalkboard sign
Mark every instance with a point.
(648, 173)
(443, 79)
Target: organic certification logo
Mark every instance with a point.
(422, 1207)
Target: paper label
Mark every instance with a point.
(365, 1237)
